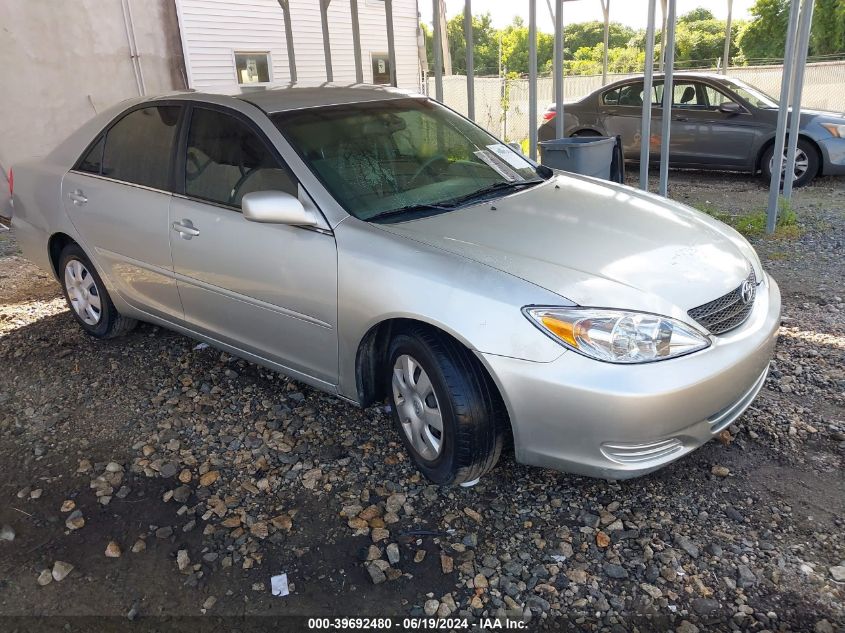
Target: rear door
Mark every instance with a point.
(268, 289)
(118, 198)
(622, 109)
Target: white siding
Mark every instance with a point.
(212, 30)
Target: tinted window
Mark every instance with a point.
(629, 95)
(139, 147)
(227, 160)
(93, 160)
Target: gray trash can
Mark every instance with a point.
(587, 155)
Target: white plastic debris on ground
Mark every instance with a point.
(279, 585)
(201, 346)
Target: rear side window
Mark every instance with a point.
(92, 162)
(226, 160)
(629, 95)
(139, 147)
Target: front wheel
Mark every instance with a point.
(806, 163)
(87, 298)
(446, 409)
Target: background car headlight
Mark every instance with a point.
(837, 129)
(618, 336)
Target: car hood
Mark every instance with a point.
(596, 244)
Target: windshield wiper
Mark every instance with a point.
(411, 208)
(453, 203)
(491, 189)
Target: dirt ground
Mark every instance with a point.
(222, 474)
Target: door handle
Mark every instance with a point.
(682, 119)
(186, 229)
(77, 197)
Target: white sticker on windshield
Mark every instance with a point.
(509, 156)
(497, 165)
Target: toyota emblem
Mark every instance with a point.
(747, 292)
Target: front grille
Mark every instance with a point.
(728, 311)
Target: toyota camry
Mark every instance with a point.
(376, 245)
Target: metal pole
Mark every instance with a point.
(605, 7)
(327, 47)
(438, 51)
(289, 39)
(668, 98)
(356, 42)
(662, 59)
(468, 38)
(780, 133)
(645, 131)
(726, 55)
(558, 69)
(532, 79)
(797, 88)
(391, 44)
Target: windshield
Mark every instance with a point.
(752, 95)
(402, 156)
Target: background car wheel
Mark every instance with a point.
(445, 407)
(806, 163)
(87, 297)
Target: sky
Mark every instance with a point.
(629, 12)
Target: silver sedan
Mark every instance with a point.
(376, 245)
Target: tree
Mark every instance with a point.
(828, 31)
(515, 47)
(590, 34)
(485, 47)
(764, 36)
(699, 14)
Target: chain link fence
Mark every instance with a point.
(501, 105)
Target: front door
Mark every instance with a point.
(118, 199)
(268, 289)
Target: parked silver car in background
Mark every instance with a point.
(718, 122)
(376, 245)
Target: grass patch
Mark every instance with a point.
(754, 224)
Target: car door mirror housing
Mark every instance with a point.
(276, 207)
(729, 107)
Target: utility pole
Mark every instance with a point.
(726, 56)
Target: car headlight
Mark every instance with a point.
(837, 129)
(617, 336)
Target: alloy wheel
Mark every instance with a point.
(802, 164)
(417, 406)
(82, 292)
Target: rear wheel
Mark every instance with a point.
(444, 406)
(806, 163)
(87, 297)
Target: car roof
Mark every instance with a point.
(281, 97)
(677, 75)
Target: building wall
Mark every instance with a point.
(213, 29)
(61, 62)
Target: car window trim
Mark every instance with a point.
(119, 182)
(117, 119)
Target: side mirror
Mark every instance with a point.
(729, 107)
(276, 207)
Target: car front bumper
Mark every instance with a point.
(612, 421)
(833, 156)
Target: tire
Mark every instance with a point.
(812, 160)
(472, 414)
(584, 133)
(84, 289)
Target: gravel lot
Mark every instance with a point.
(176, 480)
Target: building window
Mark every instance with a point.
(252, 68)
(381, 69)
